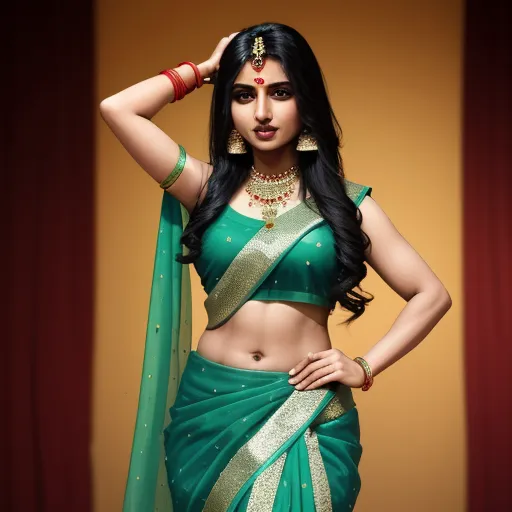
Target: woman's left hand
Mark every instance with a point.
(319, 368)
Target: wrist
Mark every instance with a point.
(205, 68)
(368, 373)
(361, 373)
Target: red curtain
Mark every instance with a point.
(47, 211)
(487, 161)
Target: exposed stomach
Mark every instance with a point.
(268, 335)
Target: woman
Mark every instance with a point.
(261, 415)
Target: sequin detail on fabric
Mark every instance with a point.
(340, 404)
(289, 418)
(321, 489)
(356, 192)
(255, 261)
(264, 489)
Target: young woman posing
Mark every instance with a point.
(261, 416)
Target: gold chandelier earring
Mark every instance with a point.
(236, 143)
(306, 142)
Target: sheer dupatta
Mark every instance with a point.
(168, 343)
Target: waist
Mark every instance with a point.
(265, 336)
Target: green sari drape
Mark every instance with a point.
(246, 440)
(168, 343)
(289, 416)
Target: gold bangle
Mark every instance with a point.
(180, 164)
(368, 373)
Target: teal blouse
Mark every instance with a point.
(305, 273)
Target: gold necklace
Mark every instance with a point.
(271, 191)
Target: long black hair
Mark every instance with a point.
(321, 171)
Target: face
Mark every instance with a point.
(265, 105)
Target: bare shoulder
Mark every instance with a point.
(392, 257)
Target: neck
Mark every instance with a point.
(275, 162)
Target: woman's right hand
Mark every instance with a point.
(213, 61)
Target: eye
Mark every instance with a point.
(285, 91)
(241, 95)
(245, 95)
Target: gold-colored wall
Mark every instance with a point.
(393, 70)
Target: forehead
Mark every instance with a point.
(272, 72)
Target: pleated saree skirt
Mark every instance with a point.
(247, 440)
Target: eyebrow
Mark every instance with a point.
(248, 86)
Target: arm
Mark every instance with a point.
(128, 114)
(402, 268)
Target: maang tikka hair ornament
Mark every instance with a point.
(258, 50)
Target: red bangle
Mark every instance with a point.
(199, 78)
(179, 85)
(182, 87)
(185, 88)
(174, 82)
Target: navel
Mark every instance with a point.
(257, 356)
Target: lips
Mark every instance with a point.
(265, 129)
(265, 135)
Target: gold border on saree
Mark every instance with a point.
(251, 264)
(289, 418)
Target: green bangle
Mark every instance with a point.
(180, 164)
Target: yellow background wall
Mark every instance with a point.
(393, 71)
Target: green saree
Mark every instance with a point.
(216, 438)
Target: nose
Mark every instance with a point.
(263, 113)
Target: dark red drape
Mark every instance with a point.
(47, 208)
(487, 163)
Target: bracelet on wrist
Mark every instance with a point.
(197, 73)
(368, 381)
(179, 85)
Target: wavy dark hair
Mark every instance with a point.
(321, 171)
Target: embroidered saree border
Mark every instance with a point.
(264, 488)
(280, 428)
(254, 262)
(321, 489)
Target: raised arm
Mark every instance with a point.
(128, 114)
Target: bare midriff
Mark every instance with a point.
(268, 335)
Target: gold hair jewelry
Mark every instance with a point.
(271, 191)
(236, 143)
(368, 379)
(307, 142)
(180, 164)
(258, 50)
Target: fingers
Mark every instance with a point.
(219, 50)
(330, 376)
(318, 377)
(311, 370)
(302, 364)
(310, 357)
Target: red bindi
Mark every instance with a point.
(259, 81)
